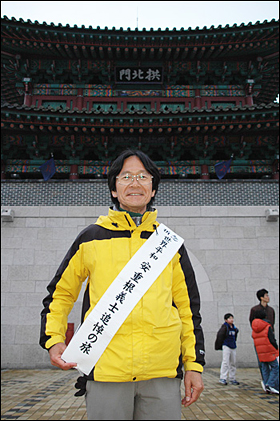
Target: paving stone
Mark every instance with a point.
(49, 395)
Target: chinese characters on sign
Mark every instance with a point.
(139, 75)
(99, 327)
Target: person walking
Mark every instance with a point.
(226, 341)
(138, 375)
(267, 351)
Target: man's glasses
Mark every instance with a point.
(127, 179)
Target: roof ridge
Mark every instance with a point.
(151, 30)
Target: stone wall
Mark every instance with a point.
(170, 193)
(234, 251)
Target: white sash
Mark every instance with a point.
(98, 329)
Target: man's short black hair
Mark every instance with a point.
(118, 164)
(259, 314)
(260, 293)
(228, 315)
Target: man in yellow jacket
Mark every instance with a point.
(138, 375)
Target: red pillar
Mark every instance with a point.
(80, 98)
(27, 94)
(3, 173)
(249, 92)
(249, 100)
(28, 100)
(73, 172)
(275, 170)
(204, 172)
(197, 98)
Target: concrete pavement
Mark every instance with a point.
(49, 395)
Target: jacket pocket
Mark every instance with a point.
(162, 350)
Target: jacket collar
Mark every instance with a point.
(260, 324)
(122, 221)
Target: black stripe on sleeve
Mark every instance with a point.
(194, 303)
(90, 233)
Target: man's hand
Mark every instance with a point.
(55, 356)
(193, 387)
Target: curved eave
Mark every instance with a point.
(27, 35)
(140, 112)
(257, 117)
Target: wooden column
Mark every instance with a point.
(80, 98)
(275, 170)
(27, 94)
(3, 173)
(197, 99)
(74, 172)
(249, 92)
(204, 172)
(249, 100)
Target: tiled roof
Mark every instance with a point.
(249, 25)
(255, 44)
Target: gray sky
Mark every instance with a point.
(151, 14)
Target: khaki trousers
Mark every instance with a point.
(155, 399)
(228, 367)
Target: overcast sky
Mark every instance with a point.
(151, 14)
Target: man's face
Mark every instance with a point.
(265, 298)
(135, 196)
(230, 320)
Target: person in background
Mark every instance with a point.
(263, 297)
(267, 351)
(226, 341)
(138, 376)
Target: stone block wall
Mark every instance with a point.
(233, 249)
(170, 193)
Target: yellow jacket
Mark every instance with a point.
(164, 324)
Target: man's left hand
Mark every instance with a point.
(193, 387)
